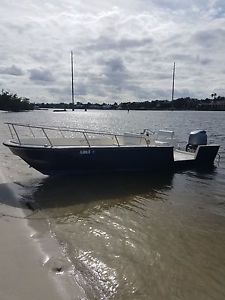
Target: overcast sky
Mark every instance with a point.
(123, 50)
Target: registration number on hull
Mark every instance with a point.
(86, 152)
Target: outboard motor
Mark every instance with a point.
(196, 138)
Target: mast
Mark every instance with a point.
(72, 85)
(174, 66)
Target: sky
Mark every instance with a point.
(123, 50)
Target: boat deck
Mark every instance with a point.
(183, 155)
(183, 159)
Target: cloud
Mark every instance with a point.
(180, 4)
(209, 38)
(112, 66)
(217, 9)
(13, 70)
(108, 43)
(114, 75)
(41, 75)
(192, 58)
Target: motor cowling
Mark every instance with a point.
(196, 138)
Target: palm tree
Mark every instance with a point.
(213, 95)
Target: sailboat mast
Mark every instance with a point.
(72, 84)
(174, 66)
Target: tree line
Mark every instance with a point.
(12, 102)
(187, 103)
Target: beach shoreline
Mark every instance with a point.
(33, 265)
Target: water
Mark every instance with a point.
(134, 237)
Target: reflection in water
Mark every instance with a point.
(100, 220)
(138, 237)
(89, 194)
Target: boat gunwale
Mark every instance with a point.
(17, 145)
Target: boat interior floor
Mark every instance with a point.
(180, 155)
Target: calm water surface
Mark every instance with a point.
(135, 236)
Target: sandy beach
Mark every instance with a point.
(33, 265)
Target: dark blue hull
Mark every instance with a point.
(53, 161)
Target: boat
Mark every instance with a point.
(59, 110)
(59, 150)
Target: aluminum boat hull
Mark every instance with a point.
(52, 161)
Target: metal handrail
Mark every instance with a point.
(63, 128)
(10, 130)
(13, 126)
(85, 132)
(85, 136)
(117, 141)
(43, 129)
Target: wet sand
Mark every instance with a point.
(32, 263)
